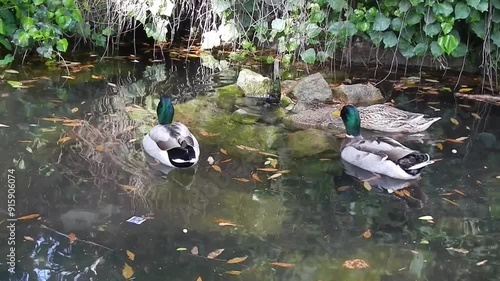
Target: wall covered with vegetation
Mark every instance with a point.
(308, 29)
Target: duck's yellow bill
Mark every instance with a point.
(336, 114)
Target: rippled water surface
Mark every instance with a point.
(87, 180)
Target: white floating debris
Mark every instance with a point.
(426, 218)
(454, 151)
(4, 126)
(185, 230)
(210, 160)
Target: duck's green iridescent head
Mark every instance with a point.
(352, 121)
(165, 111)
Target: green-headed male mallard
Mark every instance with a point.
(383, 155)
(171, 143)
(386, 118)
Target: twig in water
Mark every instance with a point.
(67, 236)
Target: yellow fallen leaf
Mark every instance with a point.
(29, 238)
(233, 272)
(465, 90)
(481, 262)
(130, 255)
(367, 185)
(74, 109)
(244, 147)
(215, 253)
(99, 148)
(277, 175)
(440, 146)
(451, 202)
(459, 192)
(343, 188)
(28, 217)
(241, 179)
(216, 168)
(207, 134)
(223, 151)
(53, 119)
(228, 224)
(63, 140)
(255, 177)
(325, 159)
(227, 160)
(72, 237)
(355, 264)
(267, 169)
(127, 271)
(71, 77)
(127, 188)
(237, 260)
(283, 264)
(475, 115)
(367, 234)
(199, 278)
(97, 76)
(454, 121)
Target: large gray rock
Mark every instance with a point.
(357, 94)
(253, 84)
(311, 91)
(320, 118)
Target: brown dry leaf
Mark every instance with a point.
(53, 119)
(355, 264)
(74, 109)
(127, 188)
(475, 115)
(481, 262)
(97, 76)
(127, 271)
(199, 278)
(284, 171)
(367, 234)
(216, 168)
(465, 90)
(325, 159)
(228, 224)
(223, 151)
(227, 160)
(244, 147)
(268, 154)
(451, 202)
(446, 194)
(29, 238)
(273, 162)
(72, 237)
(215, 253)
(455, 140)
(28, 217)
(399, 193)
(440, 146)
(406, 193)
(71, 77)
(233, 272)
(194, 250)
(458, 250)
(478, 182)
(99, 148)
(277, 175)
(63, 140)
(255, 177)
(367, 185)
(241, 179)
(459, 192)
(130, 255)
(72, 124)
(207, 134)
(267, 169)
(343, 188)
(283, 264)
(454, 121)
(237, 260)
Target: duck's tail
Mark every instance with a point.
(414, 162)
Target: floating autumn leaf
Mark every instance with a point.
(74, 109)
(227, 160)
(440, 146)
(127, 271)
(181, 249)
(267, 169)
(343, 188)
(72, 237)
(451, 202)
(99, 148)
(457, 250)
(130, 255)
(475, 115)
(207, 134)
(233, 272)
(367, 234)
(63, 140)
(70, 77)
(367, 185)
(481, 262)
(53, 119)
(465, 90)
(325, 159)
(277, 175)
(215, 253)
(100, 77)
(194, 250)
(244, 147)
(255, 177)
(216, 168)
(223, 151)
(454, 121)
(11, 71)
(355, 264)
(268, 154)
(241, 179)
(199, 278)
(237, 260)
(426, 218)
(459, 192)
(127, 188)
(283, 264)
(406, 192)
(28, 217)
(28, 238)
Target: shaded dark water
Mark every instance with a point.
(313, 217)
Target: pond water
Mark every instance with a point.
(86, 175)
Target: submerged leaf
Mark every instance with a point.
(29, 238)
(28, 217)
(241, 179)
(426, 218)
(255, 177)
(63, 140)
(481, 262)
(127, 188)
(277, 175)
(206, 134)
(267, 169)
(367, 233)
(223, 151)
(233, 272)
(367, 185)
(475, 115)
(130, 255)
(355, 264)
(72, 237)
(237, 260)
(451, 202)
(127, 271)
(454, 121)
(440, 146)
(215, 253)
(283, 264)
(457, 250)
(216, 168)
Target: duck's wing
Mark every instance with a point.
(164, 137)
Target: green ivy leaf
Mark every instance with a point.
(448, 43)
(390, 40)
(496, 4)
(343, 29)
(5, 43)
(376, 37)
(6, 60)
(447, 26)
(479, 28)
(381, 23)
(45, 51)
(27, 23)
(3, 29)
(62, 45)
(474, 16)
(444, 9)
(23, 39)
(483, 6)
(322, 56)
(473, 3)
(413, 18)
(68, 3)
(312, 30)
(309, 56)
(406, 49)
(278, 25)
(397, 24)
(363, 26)
(432, 29)
(436, 49)
(337, 5)
(404, 6)
(460, 51)
(462, 11)
(416, 2)
(317, 16)
(495, 38)
(420, 49)
(430, 17)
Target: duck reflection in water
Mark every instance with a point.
(184, 177)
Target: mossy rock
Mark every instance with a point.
(308, 142)
(244, 117)
(225, 97)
